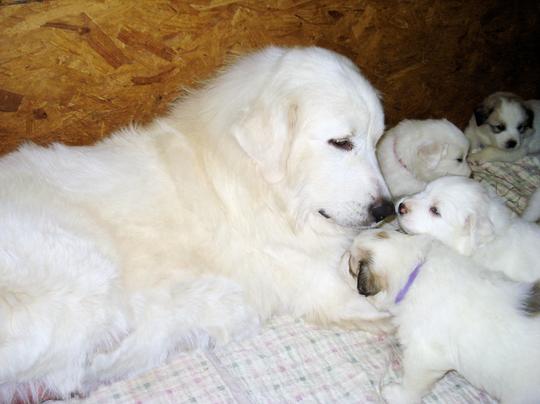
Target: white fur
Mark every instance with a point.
(532, 212)
(191, 230)
(455, 316)
(428, 149)
(474, 221)
(509, 110)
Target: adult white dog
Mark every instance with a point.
(235, 206)
(451, 314)
(465, 215)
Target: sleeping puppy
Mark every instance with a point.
(417, 151)
(504, 128)
(473, 220)
(450, 314)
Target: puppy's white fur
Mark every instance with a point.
(473, 220)
(417, 151)
(532, 212)
(191, 230)
(455, 316)
(504, 128)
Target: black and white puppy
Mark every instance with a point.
(504, 127)
(451, 314)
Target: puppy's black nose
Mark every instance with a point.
(381, 209)
(510, 144)
(402, 208)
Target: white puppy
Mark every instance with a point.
(451, 314)
(235, 206)
(504, 128)
(417, 151)
(473, 220)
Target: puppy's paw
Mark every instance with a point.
(476, 159)
(395, 394)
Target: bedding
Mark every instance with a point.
(291, 361)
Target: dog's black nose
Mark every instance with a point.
(511, 144)
(402, 208)
(381, 209)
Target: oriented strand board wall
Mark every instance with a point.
(75, 70)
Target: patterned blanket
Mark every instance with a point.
(291, 361)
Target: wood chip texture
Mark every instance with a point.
(74, 71)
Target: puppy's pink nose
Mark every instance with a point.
(402, 208)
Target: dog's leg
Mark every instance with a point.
(175, 316)
(494, 154)
(334, 302)
(420, 371)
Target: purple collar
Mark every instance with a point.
(412, 276)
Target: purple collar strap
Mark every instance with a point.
(412, 276)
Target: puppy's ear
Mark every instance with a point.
(432, 153)
(367, 283)
(477, 230)
(265, 132)
(481, 114)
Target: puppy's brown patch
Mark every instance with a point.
(367, 284)
(361, 256)
(382, 235)
(531, 304)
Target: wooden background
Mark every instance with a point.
(73, 71)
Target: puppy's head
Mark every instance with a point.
(381, 260)
(311, 129)
(504, 119)
(440, 149)
(458, 211)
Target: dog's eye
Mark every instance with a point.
(498, 128)
(522, 128)
(435, 211)
(343, 144)
(460, 160)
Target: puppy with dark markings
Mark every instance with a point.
(504, 128)
(450, 314)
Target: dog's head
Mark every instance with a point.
(433, 148)
(458, 211)
(504, 119)
(311, 129)
(379, 262)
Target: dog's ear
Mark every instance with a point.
(477, 230)
(432, 153)
(265, 132)
(481, 114)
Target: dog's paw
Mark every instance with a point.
(395, 394)
(476, 159)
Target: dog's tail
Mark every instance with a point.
(532, 212)
(531, 303)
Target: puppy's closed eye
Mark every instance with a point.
(435, 211)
